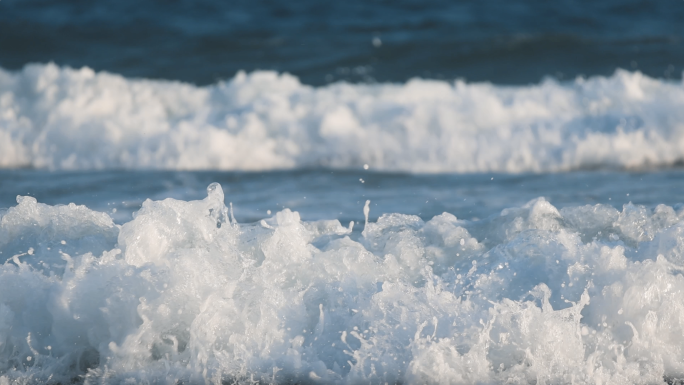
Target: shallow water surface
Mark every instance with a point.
(340, 194)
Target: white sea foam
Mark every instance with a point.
(62, 118)
(182, 292)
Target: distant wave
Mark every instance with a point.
(61, 118)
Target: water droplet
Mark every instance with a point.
(215, 191)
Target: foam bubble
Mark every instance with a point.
(63, 118)
(181, 292)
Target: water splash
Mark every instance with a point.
(534, 294)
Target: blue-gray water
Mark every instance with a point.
(512, 42)
(325, 194)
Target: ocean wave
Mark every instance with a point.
(62, 118)
(183, 293)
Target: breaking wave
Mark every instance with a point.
(184, 294)
(63, 118)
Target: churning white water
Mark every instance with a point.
(62, 118)
(184, 293)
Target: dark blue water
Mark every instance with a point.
(505, 42)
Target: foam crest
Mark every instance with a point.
(585, 294)
(63, 118)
